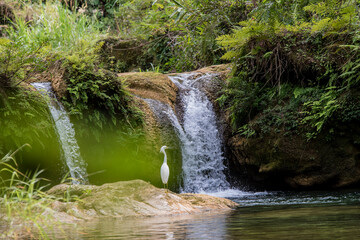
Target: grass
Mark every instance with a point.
(25, 206)
(53, 33)
(56, 29)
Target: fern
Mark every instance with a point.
(235, 43)
(321, 110)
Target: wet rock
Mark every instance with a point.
(277, 161)
(151, 85)
(130, 199)
(212, 86)
(157, 131)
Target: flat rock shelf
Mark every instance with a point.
(129, 199)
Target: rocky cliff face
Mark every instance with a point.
(158, 87)
(151, 85)
(278, 160)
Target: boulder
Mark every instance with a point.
(129, 199)
(69, 207)
(150, 85)
(211, 86)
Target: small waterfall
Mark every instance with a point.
(203, 161)
(165, 112)
(203, 167)
(66, 135)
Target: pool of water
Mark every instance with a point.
(263, 215)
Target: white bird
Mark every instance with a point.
(164, 171)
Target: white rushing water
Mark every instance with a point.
(202, 156)
(66, 135)
(203, 160)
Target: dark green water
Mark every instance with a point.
(274, 215)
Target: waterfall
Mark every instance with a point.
(203, 160)
(202, 155)
(66, 135)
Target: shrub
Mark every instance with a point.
(312, 50)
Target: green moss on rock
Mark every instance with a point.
(133, 198)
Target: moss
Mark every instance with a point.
(99, 98)
(269, 167)
(135, 198)
(151, 85)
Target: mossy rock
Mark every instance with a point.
(151, 85)
(158, 130)
(131, 199)
(279, 161)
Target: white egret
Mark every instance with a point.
(164, 171)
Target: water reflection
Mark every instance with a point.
(199, 226)
(307, 215)
(332, 222)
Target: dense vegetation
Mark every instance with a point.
(295, 62)
(57, 42)
(295, 66)
(83, 42)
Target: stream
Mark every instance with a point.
(261, 215)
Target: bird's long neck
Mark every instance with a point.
(165, 157)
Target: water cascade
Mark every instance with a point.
(203, 167)
(203, 161)
(66, 135)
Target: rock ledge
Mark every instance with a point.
(129, 199)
